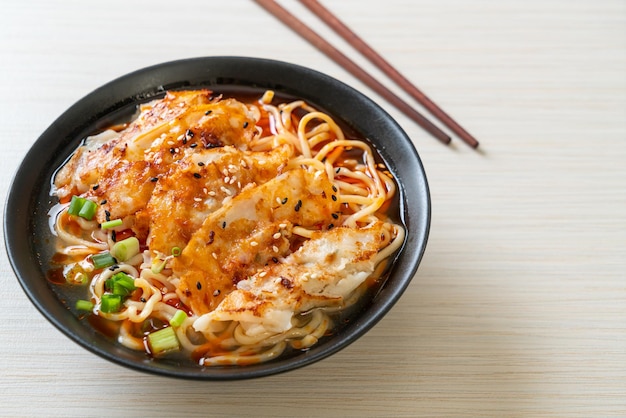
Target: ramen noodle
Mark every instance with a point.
(229, 230)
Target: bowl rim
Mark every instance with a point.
(211, 71)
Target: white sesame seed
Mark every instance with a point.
(277, 235)
(261, 162)
(254, 244)
(244, 164)
(214, 255)
(226, 179)
(125, 181)
(263, 274)
(282, 226)
(197, 199)
(275, 248)
(225, 190)
(278, 200)
(211, 193)
(225, 172)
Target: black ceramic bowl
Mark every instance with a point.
(26, 229)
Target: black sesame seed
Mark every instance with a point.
(275, 260)
(113, 236)
(337, 170)
(331, 226)
(143, 300)
(154, 179)
(284, 201)
(196, 175)
(107, 215)
(104, 202)
(189, 133)
(201, 164)
(198, 285)
(193, 145)
(335, 216)
(208, 112)
(245, 125)
(334, 198)
(172, 150)
(96, 187)
(298, 205)
(223, 225)
(334, 189)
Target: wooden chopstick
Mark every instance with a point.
(336, 55)
(353, 39)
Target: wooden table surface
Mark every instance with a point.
(519, 305)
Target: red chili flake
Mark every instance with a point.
(211, 237)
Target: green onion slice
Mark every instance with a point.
(163, 340)
(178, 318)
(126, 249)
(176, 251)
(76, 204)
(84, 305)
(88, 210)
(111, 224)
(103, 260)
(110, 303)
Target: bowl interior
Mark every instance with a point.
(28, 240)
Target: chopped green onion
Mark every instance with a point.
(120, 284)
(102, 260)
(158, 265)
(178, 318)
(81, 278)
(76, 205)
(126, 249)
(84, 305)
(176, 251)
(111, 224)
(163, 340)
(88, 210)
(76, 274)
(110, 303)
